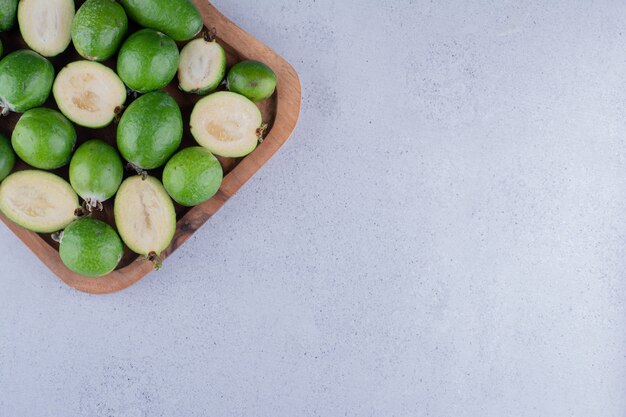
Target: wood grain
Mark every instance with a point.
(280, 112)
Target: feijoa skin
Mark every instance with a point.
(7, 157)
(192, 176)
(44, 138)
(25, 81)
(96, 172)
(46, 24)
(8, 11)
(150, 130)
(179, 19)
(90, 248)
(148, 61)
(253, 80)
(98, 29)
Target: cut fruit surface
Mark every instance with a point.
(38, 201)
(202, 66)
(226, 124)
(144, 215)
(46, 24)
(89, 93)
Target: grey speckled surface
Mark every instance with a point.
(443, 236)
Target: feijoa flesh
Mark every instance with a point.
(202, 66)
(46, 24)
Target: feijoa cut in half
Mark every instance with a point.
(178, 19)
(96, 172)
(44, 138)
(227, 124)
(25, 81)
(8, 10)
(89, 94)
(150, 130)
(7, 157)
(38, 201)
(46, 24)
(90, 247)
(202, 66)
(99, 29)
(145, 216)
(148, 60)
(252, 79)
(192, 176)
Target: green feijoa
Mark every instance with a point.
(252, 79)
(1, 49)
(96, 172)
(46, 24)
(148, 61)
(150, 130)
(25, 81)
(90, 247)
(202, 66)
(98, 29)
(44, 138)
(7, 157)
(192, 176)
(8, 11)
(179, 19)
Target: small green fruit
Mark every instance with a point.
(8, 11)
(148, 61)
(38, 201)
(202, 66)
(7, 157)
(178, 19)
(144, 215)
(99, 29)
(46, 24)
(25, 81)
(192, 176)
(252, 79)
(96, 171)
(150, 130)
(44, 138)
(227, 124)
(90, 247)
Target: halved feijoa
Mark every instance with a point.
(227, 124)
(7, 157)
(44, 138)
(150, 130)
(202, 66)
(147, 61)
(192, 176)
(144, 215)
(98, 29)
(46, 24)
(25, 81)
(89, 93)
(252, 79)
(8, 10)
(96, 172)
(38, 201)
(90, 247)
(178, 19)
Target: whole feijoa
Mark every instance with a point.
(98, 29)
(150, 130)
(8, 11)
(252, 79)
(192, 176)
(96, 171)
(25, 81)
(90, 247)
(179, 19)
(148, 61)
(7, 157)
(44, 138)
(46, 24)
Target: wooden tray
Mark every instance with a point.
(280, 112)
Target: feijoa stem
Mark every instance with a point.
(82, 212)
(209, 35)
(57, 236)
(260, 132)
(132, 167)
(156, 260)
